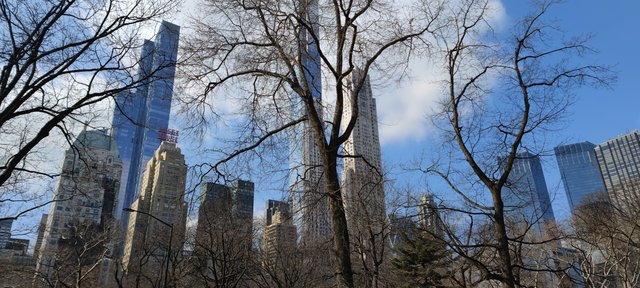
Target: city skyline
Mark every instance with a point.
(570, 131)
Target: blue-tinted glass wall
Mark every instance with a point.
(579, 172)
(141, 113)
(526, 194)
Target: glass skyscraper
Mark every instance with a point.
(141, 114)
(619, 162)
(526, 196)
(311, 212)
(579, 172)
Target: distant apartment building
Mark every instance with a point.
(619, 162)
(224, 233)
(580, 173)
(141, 115)
(41, 228)
(429, 216)
(279, 238)
(5, 232)
(157, 221)
(84, 204)
(229, 206)
(526, 197)
(362, 175)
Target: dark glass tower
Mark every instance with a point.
(141, 114)
(526, 196)
(579, 172)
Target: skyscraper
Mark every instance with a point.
(279, 239)
(220, 203)
(579, 173)
(311, 215)
(526, 196)
(41, 227)
(85, 200)
(161, 195)
(363, 183)
(224, 232)
(141, 114)
(619, 162)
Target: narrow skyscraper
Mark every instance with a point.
(311, 211)
(526, 196)
(141, 114)
(619, 162)
(362, 177)
(158, 218)
(579, 172)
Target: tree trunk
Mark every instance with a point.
(341, 244)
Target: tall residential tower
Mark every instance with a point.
(311, 212)
(363, 183)
(160, 213)
(141, 114)
(85, 203)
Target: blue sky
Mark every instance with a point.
(598, 114)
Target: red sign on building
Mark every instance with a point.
(169, 135)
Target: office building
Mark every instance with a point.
(580, 174)
(526, 197)
(141, 117)
(279, 238)
(619, 162)
(310, 206)
(158, 218)
(225, 206)
(84, 203)
(362, 176)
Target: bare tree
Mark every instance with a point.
(273, 51)
(606, 247)
(59, 61)
(501, 96)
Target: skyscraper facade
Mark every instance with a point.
(311, 215)
(363, 183)
(619, 162)
(526, 197)
(41, 228)
(279, 238)
(141, 114)
(579, 172)
(85, 198)
(162, 195)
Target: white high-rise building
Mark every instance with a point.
(362, 177)
(85, 201)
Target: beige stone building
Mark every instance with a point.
(159, 214)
